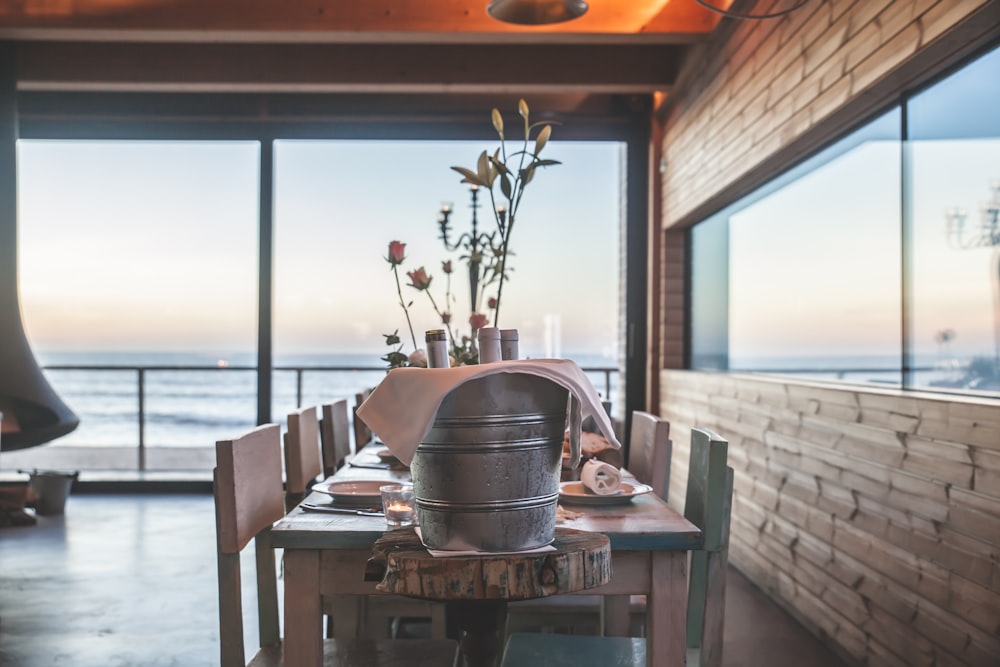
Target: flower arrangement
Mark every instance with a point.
(504, 176)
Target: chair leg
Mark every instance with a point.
(439, 624)
(615, 615)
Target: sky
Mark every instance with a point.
(153, 245)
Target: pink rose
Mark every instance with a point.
(397, 253)
(419, 279)
(492, 302)
(446, 266)
(417, 358)
(478, 320)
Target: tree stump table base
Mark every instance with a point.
(478, 587)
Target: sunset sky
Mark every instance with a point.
(153, 246)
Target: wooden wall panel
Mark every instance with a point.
(871, 532)
(762, 93)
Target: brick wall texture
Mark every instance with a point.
(760, 85)
(872, 516)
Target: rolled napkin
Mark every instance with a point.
(602, 478)
(402, 408)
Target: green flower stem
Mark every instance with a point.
(439, 314)
(402, 304)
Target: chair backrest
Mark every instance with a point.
(362, 434)
(334, 435)
(302, 457)
(649, 451)
(248, 500)
(708, 505)
(703, 504)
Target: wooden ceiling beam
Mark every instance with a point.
(679, 17)
(357, 68)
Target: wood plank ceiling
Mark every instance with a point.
(621, 47)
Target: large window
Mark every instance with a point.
(142, 254)
(864, 262)
(339, 204)
(140, 283)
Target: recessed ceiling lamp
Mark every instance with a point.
(536, 12)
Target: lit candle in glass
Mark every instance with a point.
(397, 504)
(399, 513)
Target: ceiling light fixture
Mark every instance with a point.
(536, 12)
(739, 15)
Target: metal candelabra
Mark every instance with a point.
(474, 242)
(986, 235)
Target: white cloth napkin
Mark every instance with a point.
(402, 408)
(602, 478)
(445, 553)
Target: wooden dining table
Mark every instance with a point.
(325, 554)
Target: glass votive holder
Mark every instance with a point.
(397, 503)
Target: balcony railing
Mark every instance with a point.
(120, 393)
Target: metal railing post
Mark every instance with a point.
(142, 418)
(298, 387)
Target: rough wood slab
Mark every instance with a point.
(581, 560)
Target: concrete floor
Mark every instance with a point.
(130, 580)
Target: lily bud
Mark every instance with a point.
(498, 122)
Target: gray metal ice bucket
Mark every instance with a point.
(486, 476)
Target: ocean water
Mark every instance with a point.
(194, 408)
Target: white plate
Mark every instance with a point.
(360, 492)
(386, 456)
(577, 493)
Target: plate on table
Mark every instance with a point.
(354, 492)
(576, 493)
(386, 456)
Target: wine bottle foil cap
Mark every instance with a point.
(435, 334)
(508, 334)
(489, 333)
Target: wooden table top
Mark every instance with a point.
(646, 523)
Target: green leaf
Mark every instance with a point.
(505, 186)
(527, 174)
(501, 167)
(483, 168)
(471, 177)
(543, 138)
(546, 163)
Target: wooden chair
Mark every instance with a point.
(334, 436)
(362, 434)
(649, 461)
(375, 616)
(248, 500)
(302, 455)
(650, 451)
(708, 504)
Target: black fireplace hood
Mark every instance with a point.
(32, 412)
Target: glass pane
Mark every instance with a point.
(954, 201)
(710, 294)
(138, 254)
(814, 283)
(340, 203)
